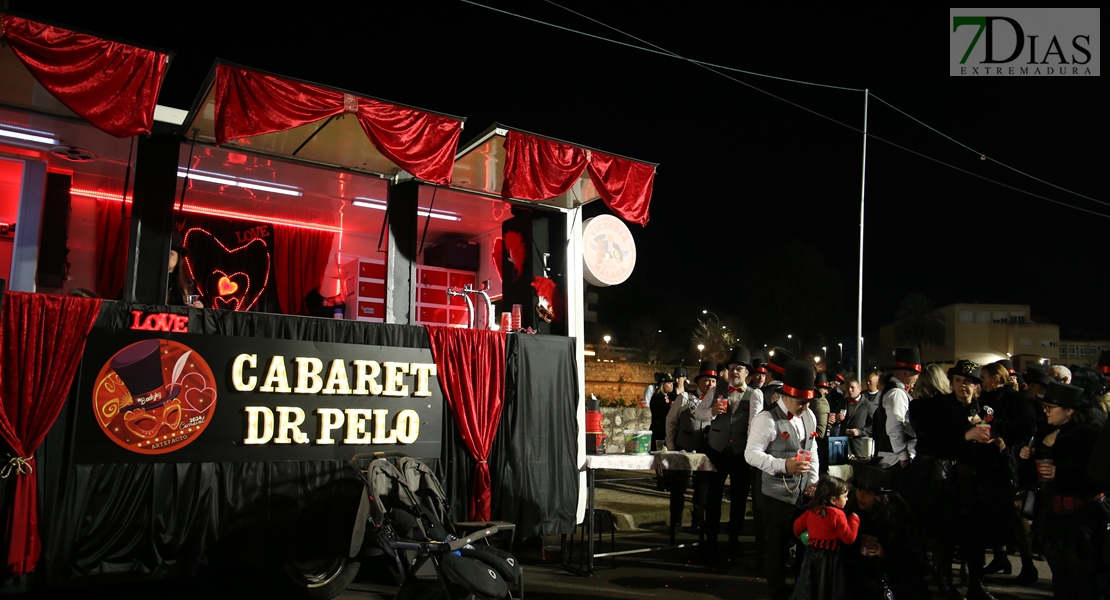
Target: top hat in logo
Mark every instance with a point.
(139, 366)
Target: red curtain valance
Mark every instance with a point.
(539, 169)
(111, 85)
(471, 367)
(250, 103)
(42, 339)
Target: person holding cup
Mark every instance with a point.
(728, 419)
(1073, 515)
(950, 476)
(776, 435)
(180, 290)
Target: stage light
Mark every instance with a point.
(238, 182)
(39, 137)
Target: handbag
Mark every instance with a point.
(942, 470)
(1029, 504)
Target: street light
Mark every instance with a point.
(841, 344)
(701, 347)
(606, 338)
(816, 359)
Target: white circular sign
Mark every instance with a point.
(610, 254)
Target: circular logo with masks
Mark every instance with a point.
(610, 254)
(154, 396)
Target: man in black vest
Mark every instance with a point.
(728, 418)
(894, 437)
(775, 441)
(687, 434)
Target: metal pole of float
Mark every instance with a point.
(862, 195)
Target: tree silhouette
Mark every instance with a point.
(918, 323)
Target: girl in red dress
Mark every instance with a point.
(821, 576)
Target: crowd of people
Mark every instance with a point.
(946, 464)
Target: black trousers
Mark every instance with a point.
(679, 482)
(733, 467)
(778, 537)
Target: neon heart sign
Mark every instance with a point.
(227, 286)
(221, 289)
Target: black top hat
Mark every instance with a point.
(1008, 365)
(968, 369)
(779, 358)
(822, 380)
(871, 479)
(908, 359)
(679, 372)
(1020, 380)
(840, 375)
(1065, 395)
(759, 365)
(741, 356)
(1035, 373)
(139, 366)
(799, 380)
(178, 244)
(661, 378)
(1104, 363)
(708, 369)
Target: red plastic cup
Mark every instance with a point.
(1043, 462)
(506, 321)
(723, 403)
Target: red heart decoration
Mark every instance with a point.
(227, 286)
(199, 400)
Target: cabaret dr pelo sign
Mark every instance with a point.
(286, 424)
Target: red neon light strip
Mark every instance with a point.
(219, 212)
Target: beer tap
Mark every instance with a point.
(464, 294)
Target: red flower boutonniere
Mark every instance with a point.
(990, 415)
(784, 436)
(813, 435)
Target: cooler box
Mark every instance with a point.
(637, 441)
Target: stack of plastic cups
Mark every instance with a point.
(516, 317)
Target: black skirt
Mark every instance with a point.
(821, 576)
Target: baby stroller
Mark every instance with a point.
(428, 558)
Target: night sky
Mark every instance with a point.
(756, 202)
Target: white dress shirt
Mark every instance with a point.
(763, 432)
(682, 401)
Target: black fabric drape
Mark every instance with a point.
(537, 450)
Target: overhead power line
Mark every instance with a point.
(717, 69)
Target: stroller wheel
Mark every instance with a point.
(323, 578)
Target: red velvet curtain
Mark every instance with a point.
(250, 103)
(41, 341)
(300, 257)
(111, 85)
(112, 234)
(539, 169)
(471, 366)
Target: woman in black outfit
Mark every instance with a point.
(1012, 421)
(890, 550)
(660, 405)
(180, 286)
(1073, 507)
(954, 455)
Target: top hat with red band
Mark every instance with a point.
(139, 366)
(1008, 365)
(968, 369)
(759, 365)
(822, 380)
(741, 356)
(1104, 363)
(779, 358)
(838, 375)
(907, 359)
(708, 369)
(799, 380)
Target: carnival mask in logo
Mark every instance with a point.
(154, 396)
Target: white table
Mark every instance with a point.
(666, 460)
